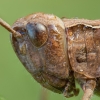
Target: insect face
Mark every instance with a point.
(42, 49)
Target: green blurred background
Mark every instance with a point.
(15, 82)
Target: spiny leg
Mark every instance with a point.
(88, 86)
(70, 91)
(70, 88)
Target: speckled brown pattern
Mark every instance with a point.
(69, 49)
(48, 63)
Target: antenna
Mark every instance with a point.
(8, 27)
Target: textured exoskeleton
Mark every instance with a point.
(43, 51)
(83, 37)
(57, 51)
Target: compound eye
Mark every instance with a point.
(37, 33)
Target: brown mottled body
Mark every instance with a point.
(84, 51)
(48, 63)
(56, 52)
(83, 46)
